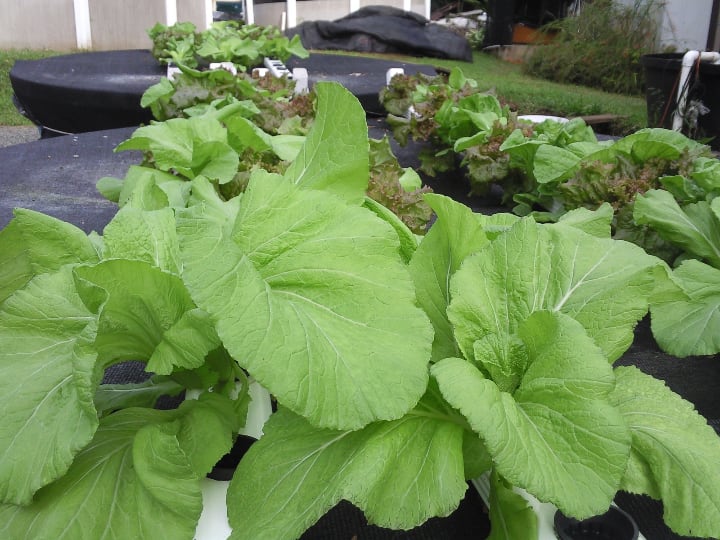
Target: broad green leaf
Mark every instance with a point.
(602, 283)
(408, 240)
(706, 173)
(645, 150)
(335, 154)
(665, 138)
(690, 325)
(147, 236)
(192, 147)
(138, 478)
(144, 187)
(171, 142)
(185, 344)
(588, 149)
(111, 397)
(681, 188)
(504, 357)
(311, 297)
(204, 193)
(455, 235)
(457, 79)
(398, 473)
(143, 302)
(214, 160)
(110, 188)
(496, 224)
(694, 227)
(521, 149)
(410, 180)
(554, 164)
(34, 243)
(243, 133)
(556, 436)
(680, 450)
(156, 92)
(511, 516)
(463, 143)
(287, 147)
(142, 192)
(48, 365)
(477, 459)
(638, 476)
(594, 222)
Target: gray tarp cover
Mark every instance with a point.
(384, 29)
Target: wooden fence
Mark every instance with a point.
(67, 25)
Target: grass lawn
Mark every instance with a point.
(522, 93)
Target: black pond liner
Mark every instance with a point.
(615, 524)
(101, 90)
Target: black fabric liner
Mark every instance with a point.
(57, 176)
(88, 91)
(384, 29)
(95, 91)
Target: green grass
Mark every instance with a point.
(522, 93)
(8, 114)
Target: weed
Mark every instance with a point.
(599, 47)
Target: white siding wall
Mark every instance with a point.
(684, 24)
(113, 24)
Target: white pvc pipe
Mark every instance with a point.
(688, 62)
(407, 5)
(428, 9)
(83, 34)
(171, 16)
(354, 5)
(249, 12)
(291, 14)
(209, 8)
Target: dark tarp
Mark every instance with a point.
(384, 29)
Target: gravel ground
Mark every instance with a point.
(10, 135)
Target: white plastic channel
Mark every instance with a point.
(213, 523)
(688, 62)
(171, 15)
(545, 511)
(249, 11)
(83, 34)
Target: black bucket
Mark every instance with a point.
(662, 78)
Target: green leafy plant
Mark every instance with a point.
(548, 169)
(227, 140)
(245, 45)
(468, 128)
(402, 367)
(279, 109)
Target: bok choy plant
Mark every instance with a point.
(402, 366)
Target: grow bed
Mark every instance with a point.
(94, 91)
(57, 176)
